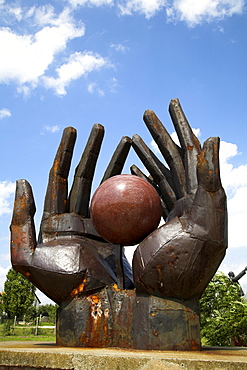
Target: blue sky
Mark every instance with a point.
(77, 62)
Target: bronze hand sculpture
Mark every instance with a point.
(172, 266)
(70, 257)
(179, 259)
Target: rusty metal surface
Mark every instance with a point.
(70, 256)
(73, 265)
(120, 318)
(179, 259)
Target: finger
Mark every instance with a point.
(146, 157)
(81, 188)
(118, 159)
(57, 190)
(208, 165)
(164, 170)
(169, 150)
(23, 236)
(137, 172)
(189, 143)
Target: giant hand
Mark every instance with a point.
(171, 266)
(178, 259)
(70, 258)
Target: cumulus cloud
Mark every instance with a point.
(75, 3)
(146, 7)
(4, 113)
(3, 273)
(7, 190)
(78, 65)
(194, 12)
(234, 180)
(26, 58)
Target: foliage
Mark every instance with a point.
(48, 310)
(1, 307)
(18, 296)
(223, 313)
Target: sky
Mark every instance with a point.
(79, 62)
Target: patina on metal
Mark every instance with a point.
(100, 304)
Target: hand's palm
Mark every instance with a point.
(179, 259)
(70, 258)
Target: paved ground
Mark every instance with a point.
(34, 355)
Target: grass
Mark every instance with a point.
(37, 338)
(26, 333)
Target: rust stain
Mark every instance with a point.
(95, 299)
(115, 287)
(78, 289)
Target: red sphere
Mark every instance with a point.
(125, 209)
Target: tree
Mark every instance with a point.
(49, 310)
(223, 313)
(18, 295)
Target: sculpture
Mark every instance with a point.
(172, 266)
(235, 279)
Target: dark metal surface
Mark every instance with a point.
(235, 279)
(70, 257)
(120, 318)
(179, 259)
(73, 265)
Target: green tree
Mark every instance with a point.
(18, 296)
(48, 310)
(223, 313)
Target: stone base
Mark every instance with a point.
(47, 356)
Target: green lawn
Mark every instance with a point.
(22, 333)
(38, 338)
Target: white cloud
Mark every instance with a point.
(25, 58)
(194, 12)
(237, 216)
(17, 12)
(92, 87)
(24, 90)
(52, 129)
(3, 273)
(75, 3)
(78, 65)
(7, 190)
(232, 177)
(113, 84)
(234, 181)
(4, 113)
(119, 47)
(146, 7)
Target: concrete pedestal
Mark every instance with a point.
(48, 356)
